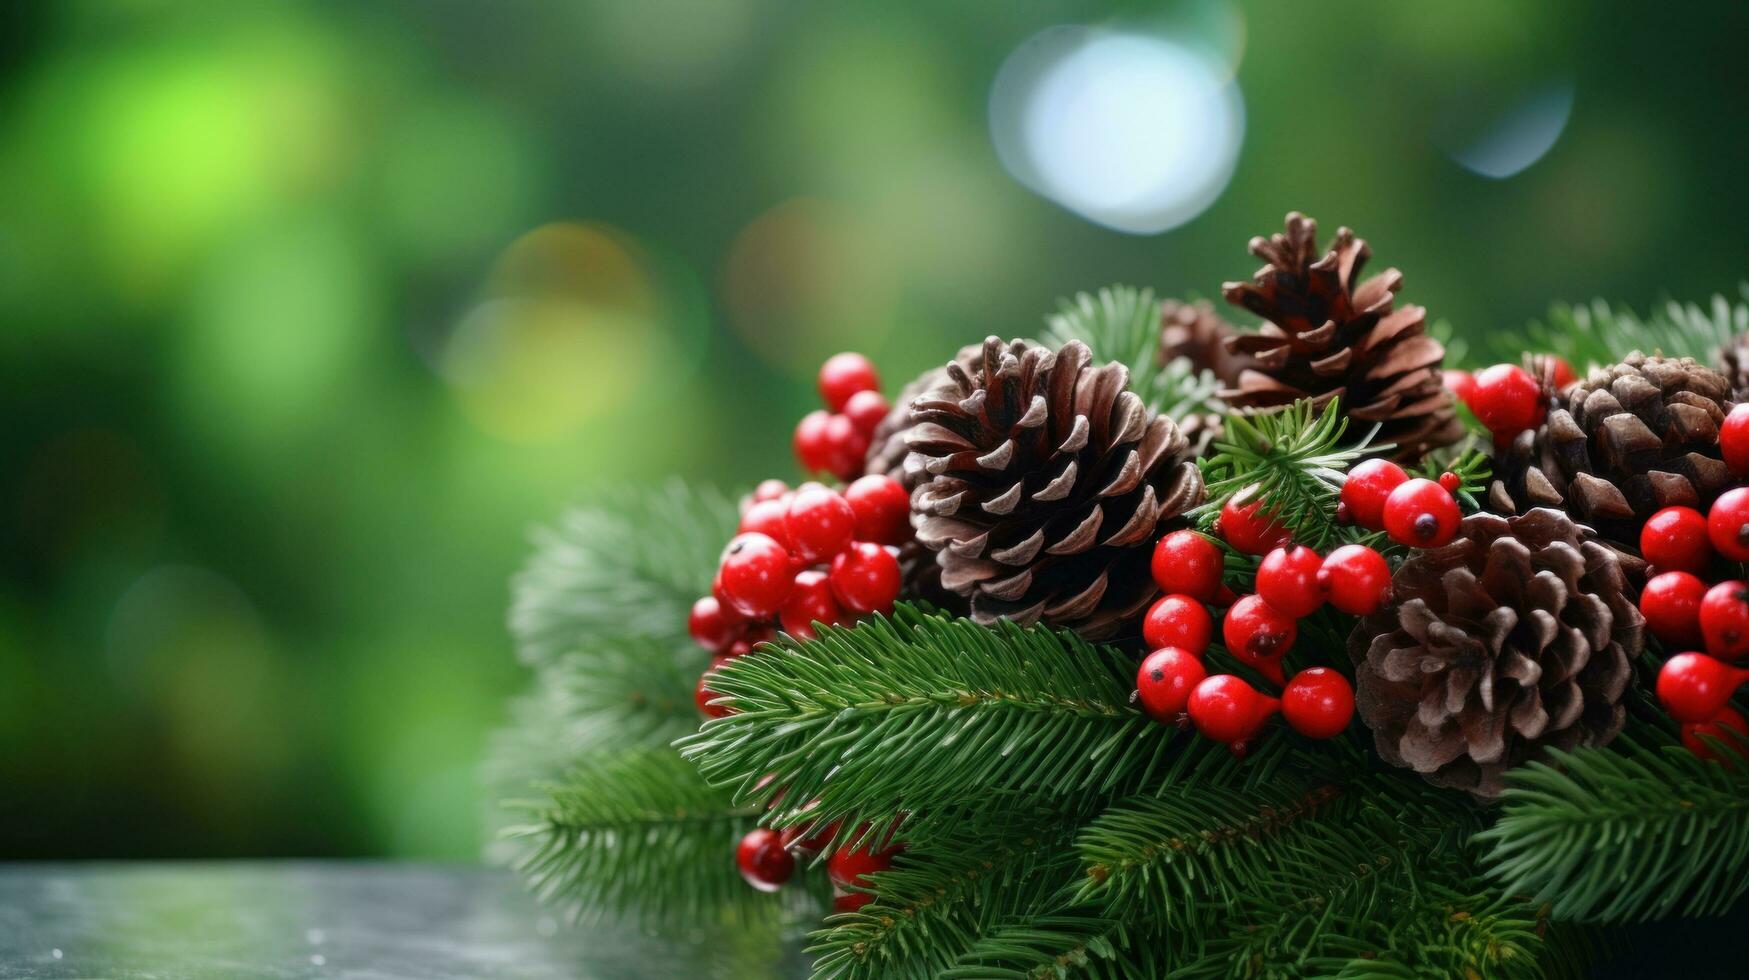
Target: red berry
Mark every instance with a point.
(1460, 383)
(1288, 580)
(849, 868)
(1165, 680)
(767, 517)
(820, 524)
(865, 578)
(1675, 540)
(1507, 400)
(844, 375)
(1318, 703)
(763, 861)
(1364, 491)
(1259, 635)
(1186, 563)
(1693, 687)
(756, 575)
(846, 447)
(1724, 619)
(883, 509)
(1178, 621)
(769, 490)
(1247, 528)
(702, 695)
(812, 446)
(710, 627)
(1721, 727)
(1450, 482)
(1727, 524)
(1734, 440)
(865, 410)
(1671, 604)
(811, 601)
(1356, 579)
(1227, 709)
(1421, 514)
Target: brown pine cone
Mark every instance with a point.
(1628, 440)
(1195, 332)
(1732, 361)
(1047, 482)
(886, 446)
(1329, 337)
(1516, 637)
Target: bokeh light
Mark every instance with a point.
(572, 326)
(1521, 135)
(1135, 131)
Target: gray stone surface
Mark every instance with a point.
(293, 920)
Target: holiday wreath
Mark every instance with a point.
(1158, 645)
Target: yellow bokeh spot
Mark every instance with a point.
(572, 325)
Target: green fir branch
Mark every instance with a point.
(638, 834)
(1122, 323)
(1598, 333)
(941, 898)
(910, 713)
(1640, 830)
(1294, 460)
(629, 564)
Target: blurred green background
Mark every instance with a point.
(310, 310)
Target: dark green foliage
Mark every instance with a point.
(640, 834)
(1598, 333)
(917, 711)
(1639, 830)
(943, 896)
(1122, 323)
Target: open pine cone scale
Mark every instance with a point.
(1045, 478)
(1514, 639)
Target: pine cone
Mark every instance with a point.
(1733, 362)
(1628, 440)
(1328, 337)
(1516, 637)
(886, 445)
(1196, 332)
(1047, 481)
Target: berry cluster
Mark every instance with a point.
(1683, 611)
(804, 556)
(813, 554)
(1682, 546)
(1379, 495)
(1172, 684)
(835, 439)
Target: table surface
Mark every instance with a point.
(294, 920)
(381, 921)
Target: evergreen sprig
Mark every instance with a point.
(1638, 830)
(1122, 323)
(638, 834)
(1293, 459)
(1599, 333)
(908, 713)
(630, 563)
(942, 897)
